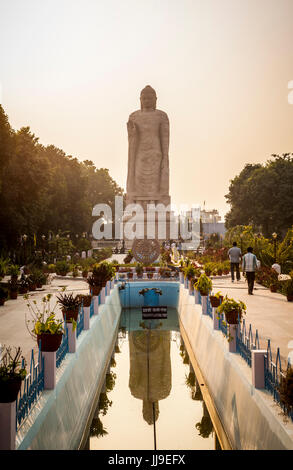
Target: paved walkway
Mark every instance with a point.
(270, 313)
(13, 330)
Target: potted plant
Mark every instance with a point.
(103, 272)
(3, 295)
(232, 309)
(70, 306)
(139, 270)
(62, 268)
(47, 329)
(12, 372)
(13, 289)
(203, 285)
(129, 273)
(216, 299)
(86, 300)
(220, 269)
(14, 272)
(94, 285)
(75, 271)
(84, 273)
(149, 272)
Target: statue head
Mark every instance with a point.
(148, 98)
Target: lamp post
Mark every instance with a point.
(43, 247)
(241, 243)
(275, 235)
(24, 238)
(57, 243)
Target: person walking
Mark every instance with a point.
(249, 266)
(235, 257)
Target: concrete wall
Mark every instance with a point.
(250, 417)
(59, 417)
(130, 295)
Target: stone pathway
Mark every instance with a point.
(13, 330)
(270, 313)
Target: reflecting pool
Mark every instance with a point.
(152, 399)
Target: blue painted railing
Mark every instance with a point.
(92, 308)
(63, 348)
(209, 307)
(31, 388)
(80, 322)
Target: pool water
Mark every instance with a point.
(152, 399)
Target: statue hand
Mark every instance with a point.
(131, 126)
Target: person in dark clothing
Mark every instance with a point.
(235, 257)
(249, 266)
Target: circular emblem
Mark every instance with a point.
(145, 251)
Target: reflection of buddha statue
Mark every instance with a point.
(150, 369)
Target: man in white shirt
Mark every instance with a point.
(249, 266)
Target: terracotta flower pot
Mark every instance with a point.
(23, 290)
(13, 294)
(273, 288)
(215, 301)
(232, 317)
(70, 315)
(203, 293)
(2, 301)
(130, 275)
(9, 389)
(49, 342)
(96, 289)
(87, 302)
(290, 298)
(150, 275)
(32, 287)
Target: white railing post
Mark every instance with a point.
(49, 369)
(196, 296)
(7, 425)
(181, 277)
(96, 304)
(71, 338)
(190, 287)
(216, 324)
(86, 318)
(258, 367)
(204, 304)
(232, 337)
(103, 296)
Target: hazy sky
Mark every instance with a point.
(73, 70)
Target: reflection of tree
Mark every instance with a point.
(150, 369)
(110, 381)
(97, 429)
(193, 385)
(205, 426)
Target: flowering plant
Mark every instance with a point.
(43, 317)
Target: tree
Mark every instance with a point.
(44, 190)
(262, 196)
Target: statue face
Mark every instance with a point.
(148, 100)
